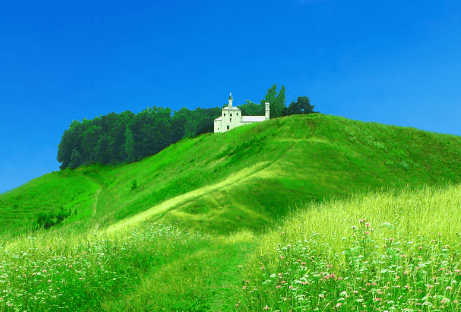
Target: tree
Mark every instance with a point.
(301, 106)
(250, 109)
(90, 141)
(105, 149)
(277, 102)
(178, 124)
(129, 144)
(75, 159)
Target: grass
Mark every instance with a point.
(127, 272)
(382, 252)
(217, 223)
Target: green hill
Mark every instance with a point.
(263, 217)
(245, 178)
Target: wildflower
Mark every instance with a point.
(354, 228)
(338, 304)
(361, 221)
(282, 257)
(278, 286)
(244, 287)
(420, 247)
(374, 284)
(328, 265)
(266, 308)
(448, 288)
(391, 239)
(406, 286)
(377, 299)
(367, 232)
(291, 287)
(367, 284)
(367, 225)
(439, 234)
(304, 263)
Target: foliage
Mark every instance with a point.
(301, 106)
(48, 219)
(134, 184)
(277, 101)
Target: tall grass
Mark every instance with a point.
(388, 251)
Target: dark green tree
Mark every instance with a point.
(178, 124)
(277, 102)
(251, 109)
(75, 159)
(129, 145)
(90, 141)
(105, 149)
(301, 106)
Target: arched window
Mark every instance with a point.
(231, 119)
(231, 114)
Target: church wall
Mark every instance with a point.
(232, 117)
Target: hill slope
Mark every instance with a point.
(245, 178)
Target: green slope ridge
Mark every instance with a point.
(245, 178)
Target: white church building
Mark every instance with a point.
(232, 118)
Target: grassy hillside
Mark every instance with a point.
(245, 178)
(258, 218)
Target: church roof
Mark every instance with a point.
(231, 108)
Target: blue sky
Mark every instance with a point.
(392, 62)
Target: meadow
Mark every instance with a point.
(304, 213)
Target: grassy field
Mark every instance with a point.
(258, 218)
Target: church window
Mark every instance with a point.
(231, 114)
(224, 114)
(227, 127)
(231, 119)
(237, 114)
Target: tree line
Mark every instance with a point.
(124, 138)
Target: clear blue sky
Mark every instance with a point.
(392, 62)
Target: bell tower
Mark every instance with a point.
(230, 100)
(268, 111)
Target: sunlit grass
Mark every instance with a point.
(380, 252)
